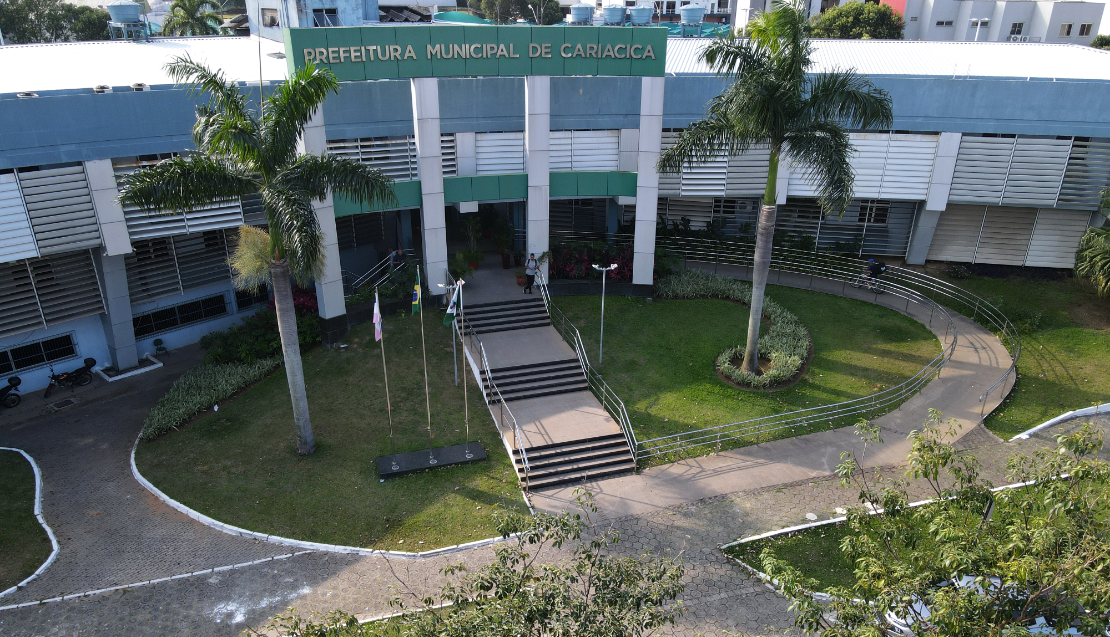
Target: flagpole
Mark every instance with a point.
(385, 375)
(466, 403)
(424, 354)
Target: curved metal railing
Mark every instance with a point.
(609, 398)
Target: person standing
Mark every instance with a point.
(530, 271)
(397, 258)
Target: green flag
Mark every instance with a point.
(451, 309)
(416, 293)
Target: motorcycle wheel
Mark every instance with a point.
(83, 379)
(49, 388)
(11, 400)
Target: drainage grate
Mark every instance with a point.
(62, 404)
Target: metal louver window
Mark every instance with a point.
(59, 204)
(1036, 171)
(254, 213)
(201, 259)
(170, 265)
(395, 156)
(142, 224)
(355, 231)
(669, 183)
(747, 173)
(705, 179)
(698, 211)
(569, 217)
(594, 150)
(448, 154)
(561, 156)
(17, 241)
(1004, 238)
(736, 217)
(957, 233)
(1055, 238)
(868, 162)
(19, 307)
(67, 286)
(981, 168)
(1086, 175)
(499, 153)
(869, 226)
(909, 166)
(151, 270)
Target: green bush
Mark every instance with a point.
(786, 343)
(257, 338)
(200, 388)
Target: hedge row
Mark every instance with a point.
(200, 388)
(786, 344)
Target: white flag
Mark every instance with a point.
(377, 320)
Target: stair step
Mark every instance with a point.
(534, 379)
(584, 465)
(510, 309)
(509, 320)
(541, 394)
(538, 385)
(509, 328)
(501, 303)
(580, 441)
(543, 464)
(573, 447)
(596, 473)
(548, 364)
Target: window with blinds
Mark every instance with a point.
(869, 226)
(46, 291)
(59, 204)
(585, 150)
(499, 153)
(171, 265)
(1018, 171)
(885, 165)
(1086, 175)
(578, 218)
(17, 241)
(142, 224)
(356, 231)
(395, 156)
(448, 154)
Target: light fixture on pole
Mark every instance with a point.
(601, 341)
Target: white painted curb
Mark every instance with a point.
(135, 372)
(42, 521)
(284, 541)
(1076, 413)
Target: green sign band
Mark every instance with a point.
(381, 52)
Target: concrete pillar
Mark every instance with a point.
(647, 179)
(119, 331)
(940, 185)
(537, 159)
(425, 110)
(329, 286)
(963, 19)
(109, 213)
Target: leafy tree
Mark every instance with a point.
(1019, 554)
(534, 11)
(240, 153)
(88, 23)
(591, 594)
(1092, 260)
(26, 21)
(774, 101)
(192, 17)
(859, 21)
(1101, 42)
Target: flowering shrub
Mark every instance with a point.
(575, 260)
(786, 343)
(304, 301)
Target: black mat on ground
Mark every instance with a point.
(413, 461)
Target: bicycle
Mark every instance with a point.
(864, 279)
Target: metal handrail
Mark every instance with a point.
(835, 267)
(605, 394)
(376, 276)
(465, 330)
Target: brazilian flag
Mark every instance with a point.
(416, 293)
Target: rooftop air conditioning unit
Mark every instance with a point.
(101, 89)
(1025, 38)
(1015, 38)
(26, 94)
(139, 87)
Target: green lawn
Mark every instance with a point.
(815, 552)
(238, 465)
(659, 357)
(1065, 356)
(24, 545)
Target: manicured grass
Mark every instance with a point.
(659, 357)
(1065, 356)
(815, 552)
(24, 545)
(238, 465)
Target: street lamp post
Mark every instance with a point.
(450, 294)
(601, 341)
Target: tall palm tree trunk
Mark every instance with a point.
(761, 264)
(291, 350)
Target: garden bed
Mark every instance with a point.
(24, 545)
(239, 465)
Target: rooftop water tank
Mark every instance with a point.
(613, 15)
(127, 12)
(691, 14)
(581, 12)
(641, 15)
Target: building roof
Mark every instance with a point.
(930, 59)
(83, 65)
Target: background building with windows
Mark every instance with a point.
(997, 155)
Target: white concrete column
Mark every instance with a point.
(647, 179)
(433, 222)
(329, 286)
(109, 212)
(940, 185)
(537, 159)
(119, 330)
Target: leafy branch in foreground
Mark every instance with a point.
(588, 593)
(975, 561)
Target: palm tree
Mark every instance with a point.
(192, 17)
(1092, 259)
(775, 102)
(240, 153)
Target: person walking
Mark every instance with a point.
(530, 271)
(397, 258)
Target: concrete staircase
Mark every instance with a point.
(574, 461)
(518, 382)
(502, 316)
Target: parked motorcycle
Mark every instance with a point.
(9, 396)
(80, 377)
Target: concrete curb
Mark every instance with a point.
(1075, 413)
(42, 521)
(284, 541)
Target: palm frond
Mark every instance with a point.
(783, 33)
(182, 184)
(290, 107)
(1092, 259)
(823, 150)
(318, 175)
(223, 95)
(227, 134)
(730, 56)
(250, 262)
(705, 139)
(848, 97)
(298, 233)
